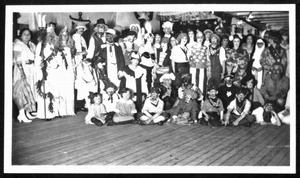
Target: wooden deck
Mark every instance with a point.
(68, 141)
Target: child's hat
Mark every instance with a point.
(167, 24)
(212, 87)
(135, 55)
(111, 31)
(167, 76)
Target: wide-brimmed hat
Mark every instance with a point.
(81, 25)
(111, 31)
(100, 21)
(208, 31)
(167, 76)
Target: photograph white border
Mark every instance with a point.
(9, 168)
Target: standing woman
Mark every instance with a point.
(66, 69)
(180, 62)
(249, 47)
(238, 57)
(257, 69)
(198, 61)
(192, 41)
(24, 75)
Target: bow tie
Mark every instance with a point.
(111, 99)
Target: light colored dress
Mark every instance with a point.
(24, 92)
(124, 111)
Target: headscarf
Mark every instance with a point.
(257, 54)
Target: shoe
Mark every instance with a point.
(142, 123)
(22, 117)
(29, 116)
(160, 123)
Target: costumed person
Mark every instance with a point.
(125, 109)
(144, 18)
(167, 29)
(186, 112)
(180, 62)
(186, 84)
(285, 115)
(238, 111)
(140, 37)
(163, 62)
(168, 93)
(212, 108)
(274, 53)
(198, 62)
(257, 69)
(97, 39)
(66, 65)
(238, 57)
(224, 50)
(266, 115)
(111, 58)
(157, 41)
(129, 46)
(86, 82)
(215, 69)
(248, 45)
(81, 52)
(227, 92)
(173, 42)
(97, 111)
(24, 93)
(207, 34)
(147, 53)
(47, 61)
(239, 75)
(152, 112)
(191, 40)
(110, 99)
(276, 87)
(134, 77)
(285, 45)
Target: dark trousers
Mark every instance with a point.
(246, 121)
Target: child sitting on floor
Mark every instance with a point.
(152, 111)
(125, 109)
(212, 108)
(96, 111)
(187, 110)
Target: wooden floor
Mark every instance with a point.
(68, 141)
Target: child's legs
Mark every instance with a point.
(144, 118)
(158, 119)
(248, 120)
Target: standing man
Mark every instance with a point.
(111, 59)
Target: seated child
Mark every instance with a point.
(266, 115)
(152, 111)
(212, 108)
(110, 99)
(187, 105)
(96, 111)
(125, 109)
(238, 111)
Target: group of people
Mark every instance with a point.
(144, 78)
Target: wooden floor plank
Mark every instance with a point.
(223, 147)
(179, 151)
(228, 153)
(170, 143)
(123, 146)
(254, 160)
(200, 154)
(280, 157)
(273, 150)
(177, 138)
(253, 149)
(84, 146)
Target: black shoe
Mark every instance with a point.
(142, 123)
(48, 120)
(160, 123)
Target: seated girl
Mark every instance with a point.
(187, 110)
(212, 108)
(110, 99)
(125, 109)
(96, 111)
(152, 111)
(168, 92)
